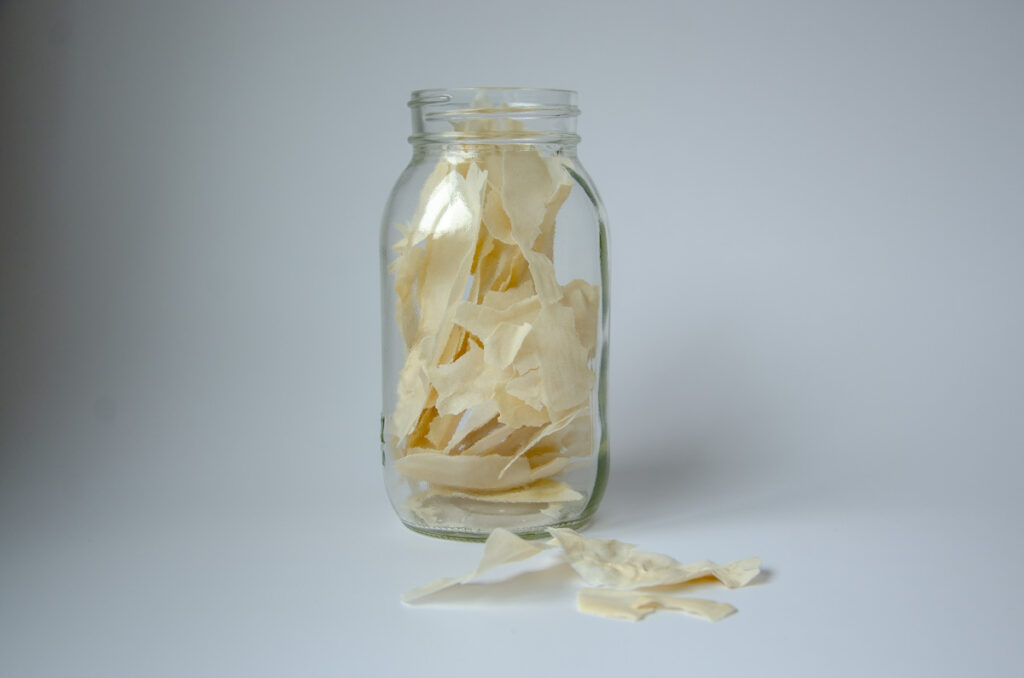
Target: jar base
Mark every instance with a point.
(532, 532)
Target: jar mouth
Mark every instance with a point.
(494, 114)
(539, 99)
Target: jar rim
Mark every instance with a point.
(445, 95)
(498, 115)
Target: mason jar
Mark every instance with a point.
(494, 272)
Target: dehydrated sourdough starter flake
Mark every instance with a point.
(542, 491)
(501, 547)
(620, 600)
(635, 605)
(496, 390)
(491, 472)
(612, 563)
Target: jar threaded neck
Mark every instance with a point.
(494, 115)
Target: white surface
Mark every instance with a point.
(818, 258)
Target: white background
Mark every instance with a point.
(817, 253)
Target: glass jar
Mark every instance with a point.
(494, 268)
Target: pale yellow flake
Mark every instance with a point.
(566, 375)
(450, 252)
(502, 345)
(543, 271)
(635, 605)
(407, 269)
(488, 472)
(495, 219)
(530, 183)
(535, 437)
(495, 269)
(612, 563)
(547, 469)
(526, 190)
(527, 388)
(467, 382)
(436, 204)
(413, 390)
(471, 421)
(503, 300)
(495, 439)
(545, 243)
(441, 430)
(457, 344)
(514, 412)
(483, 319)
(502, 547)
(543, 491)
(576, 439)
(419, 226)
(528, 360)
(584, 299)
(521, 438)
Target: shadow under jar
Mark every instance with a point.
(495, 318)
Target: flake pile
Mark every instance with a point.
(625, 583)
(494, 398)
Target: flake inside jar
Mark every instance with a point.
(496, 391)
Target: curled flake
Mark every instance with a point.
(612, 563)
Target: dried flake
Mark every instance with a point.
(487, 472)
(407, 269)
(441, 429)
(483, 319)
(545, 243)
(450, 251)
(496, 440)
(484, 246)
(528, 184)
(567, 377)
(494, 269)
(619, 601)
(503, 300)
(549, 468)
(502, 345)
(543, 491)
(527, 387)
(467, 382)
(576, 439)
(528, 360)
(455, 347)
(608, 562)
(502, 547)
(418, 229)
(413, 390)
(521, 439)
(584, 299)
(543, 271)
(514, 412)
(495, 219)
(635, 605)
(471, 422)
(444, 202)
(535, 437)
(418, 435)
